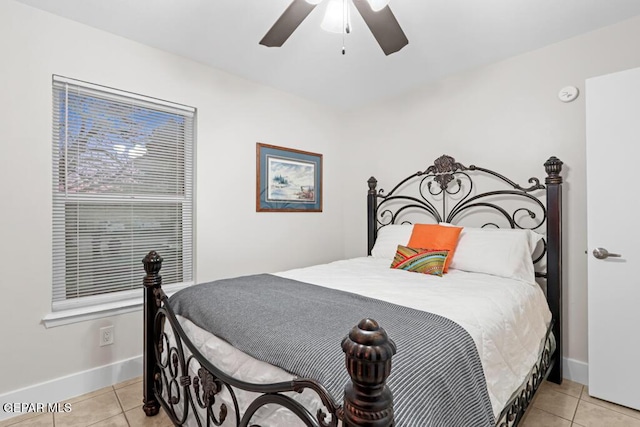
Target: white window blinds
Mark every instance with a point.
(122, 186)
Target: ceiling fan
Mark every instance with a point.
(376, 14)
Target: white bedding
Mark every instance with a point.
(506, 318)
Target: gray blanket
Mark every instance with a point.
(436, 376)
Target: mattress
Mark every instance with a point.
(507, 320)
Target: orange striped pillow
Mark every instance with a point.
(420, 260)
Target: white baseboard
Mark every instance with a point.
(73, 385)
(575, 370)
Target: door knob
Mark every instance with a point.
(602, 253)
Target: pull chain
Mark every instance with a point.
(346, 29)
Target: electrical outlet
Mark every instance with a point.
(106, 336)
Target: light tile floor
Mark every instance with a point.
(568, 405)
(117, 406)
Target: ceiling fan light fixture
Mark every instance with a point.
(382, 23)
(377, 5)
(337, 17)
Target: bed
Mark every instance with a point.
(469, 347)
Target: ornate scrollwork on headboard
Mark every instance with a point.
(446, 178)
(443, 169)
(448, 191)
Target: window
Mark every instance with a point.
(122, 185)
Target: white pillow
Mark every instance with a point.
(497, 251)
(389, 237)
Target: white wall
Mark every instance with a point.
(507, 117)
(232, 238)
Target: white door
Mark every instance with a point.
(613, 217)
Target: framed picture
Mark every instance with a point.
(287, 180)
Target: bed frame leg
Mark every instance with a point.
(152, 282)
(553, 167)
(368, 401)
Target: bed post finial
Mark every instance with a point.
(152, 281)
(373, 183)
(553, 167)
(152, 265)
(372, 205)
(368, 401)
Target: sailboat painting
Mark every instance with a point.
(288, 180)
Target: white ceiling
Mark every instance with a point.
(445, 37)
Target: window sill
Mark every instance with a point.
(92, 312)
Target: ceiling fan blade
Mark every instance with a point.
(384, 27)
(287, 23)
